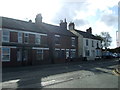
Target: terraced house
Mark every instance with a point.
(63, 43)
(89, 46)
(29, 43)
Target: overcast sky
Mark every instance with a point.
(101, 15)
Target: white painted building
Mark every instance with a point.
(89, 46)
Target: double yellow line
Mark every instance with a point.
(116, 72)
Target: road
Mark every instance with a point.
(97, 74)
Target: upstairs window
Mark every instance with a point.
(19, 37)
(97, 44)
(26, 38)
(37, 39)
(57, 39)
(86, 42)
(6, 36)
(5, 54)
(73, 41)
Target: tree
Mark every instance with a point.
(105, 38)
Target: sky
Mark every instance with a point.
(101, 15)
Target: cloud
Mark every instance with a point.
(69, 11)
(100, 26)
(109, 19)
(80, 22)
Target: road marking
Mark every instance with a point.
(11, 81)
(47, 82)
(115, 73)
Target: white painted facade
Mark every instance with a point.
(93, 52)
(82, 47)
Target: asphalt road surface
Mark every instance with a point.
(96, 74)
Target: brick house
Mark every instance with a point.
(63, 45)
(28, 43)
(23, 43)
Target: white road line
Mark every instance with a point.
(11, 81)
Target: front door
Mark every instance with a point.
(67, 54)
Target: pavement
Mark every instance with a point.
(34, 67)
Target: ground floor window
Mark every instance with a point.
(87, 53)
(93, 52)
(73, 54)
(39, 55)
(5, 54)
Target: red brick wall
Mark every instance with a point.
(31, 38)
(44, 40)
(13, 37)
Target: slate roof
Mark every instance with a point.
(87, 35)
(30, 26)
(57, 30)
(21, 25)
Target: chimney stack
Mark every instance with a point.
(89, 30)
(71, 26)
(63, 25)
(38, 19)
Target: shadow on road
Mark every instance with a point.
(32, 77)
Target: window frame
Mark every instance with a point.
(42, 52)
(87, 53)
(26, 37)
(8, 36)
(2, 55)
(20, 37)
(73, 41)
(58, 55)
(72, 53)
(37, 38)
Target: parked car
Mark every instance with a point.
(107, 55)
(114, 55)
